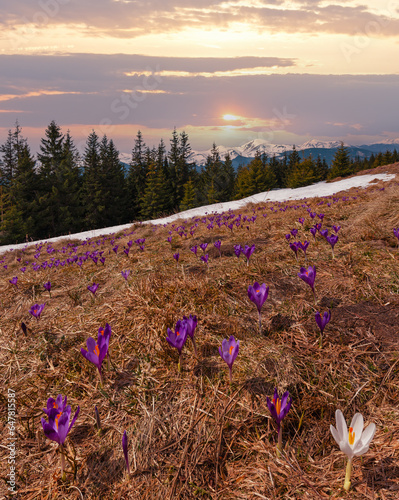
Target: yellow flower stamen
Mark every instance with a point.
(351, 436)
(231, 349)
(177, 333)
(277, 404)
(97, 350)
(57, 418)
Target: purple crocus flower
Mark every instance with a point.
(321, 216)
(178, 338)
(96, 351)
(294, 248)
(169, 239)
(58, 425)
(303, 246)
(36, 310)
(125, 274)
(301, 220)
(258, 294)
(248, 251)
(126, 251)
(313, 230)
(14, 281)
(176, 257)
(294, 232)
(217, 245)
(279, 409)
(205, 258)
(203, 246)
(124, 448)
(288, 236)
(332, 240)
(337, 228)
(194, 249)
(237, 250)
(93, 288)
(47, 286)
(55, 403)
(228, 353)
(191, 324)
(322, 322)
(115, 249)
(324, 233)
(309, 276)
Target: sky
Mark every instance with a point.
(223, 71)
(318, 190)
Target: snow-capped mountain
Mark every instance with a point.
(242, 155)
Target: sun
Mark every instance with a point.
(230, 117)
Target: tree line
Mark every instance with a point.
(61, 191)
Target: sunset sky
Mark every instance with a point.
(223, 71)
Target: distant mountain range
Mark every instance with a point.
(242, 155)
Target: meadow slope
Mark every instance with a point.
(192, 434)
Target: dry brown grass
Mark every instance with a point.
(191, 435)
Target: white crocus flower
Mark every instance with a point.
(353, 442)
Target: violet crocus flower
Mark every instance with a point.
(47, 286)
(203, 246)
(191, 324)
(14, 281)
(237, 250)
(124, 448)
(205, 258)
(294, 248)
(58, 425)
(93, 288)
(301, 220)
(248, 251)
(176, 257)
(303, 246)
(279, 409)
(258, 294)
(96, 352)
(313, 231)
(288, 236)
(294, 232)
(169, 239)
(322, 322)
(308, 276)
(36, 310)
(337, 228)
(194, 249)
(217, 245)
(125, 274)
(332, 240)
(228, 352)
(324, 233)
(178, 338)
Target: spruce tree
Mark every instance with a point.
(341, 164)
(302, 174)
(92, 193)
(136, 180)
(189, 198)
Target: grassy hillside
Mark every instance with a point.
(192, 434)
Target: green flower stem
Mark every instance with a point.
(179, 365)
(347, 483)
(62, 462)
(280, 441)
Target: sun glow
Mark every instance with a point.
(230, 117)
